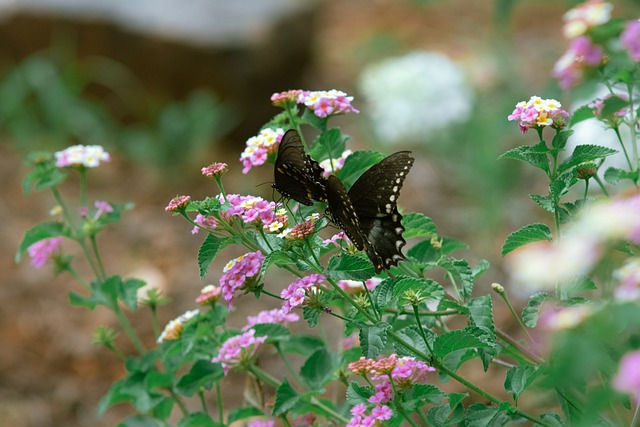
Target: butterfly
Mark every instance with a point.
(368, 212)
(296, 175)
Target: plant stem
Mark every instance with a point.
(602, 186)
(526, 353)
(505, 298)
(179, 402)
(421, 330)
(202, 402)
(219, 402)
(96, 253)
(124, 322)
(287, 364)
(624, 149)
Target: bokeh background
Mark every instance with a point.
(168, 86)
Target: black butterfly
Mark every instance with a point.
(297, 176)
(368, 213)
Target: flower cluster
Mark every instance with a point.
(410, 97)
(558, 318)
(174, 328)
(630, 39)
(88, 156)
(598, 104)
(287, 97)
(261, 423)
(178, 203)
(327, 103)
(271, 316)
(238, 349)
(627, 380)
(295, 293)
(41, 251)
(215, 170)
(542, 265)
(102, 207)
(240, 272)
(333, 240)
(354, 286)
(393, 374)
(302, 230)
(538, 112)
(259, 147)
(210, 294)
(331, 166)
(628, 277)
(256, 210)
(208, 222)
(582, 18)
(582, 54)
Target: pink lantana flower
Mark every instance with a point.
(627, 380)
(538, 112)
(296, 293)
(210, 294)
(178, 203)
(174, 328)
(630, 39)
(43, 250)
(255, 210)
(580, 55)
(240, 273)
(585, 16)
(331, 166)
(215, 170)
(326, 103)
(208, 222)
(271, 316)
(259, 147)
(238, 349)
(88, 156)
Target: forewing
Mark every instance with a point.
(342, 212)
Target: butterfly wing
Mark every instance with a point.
(374, 198)
(296, 175)
(343, 213)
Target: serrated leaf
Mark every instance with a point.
(585, 153)
(534, 155)
(455, 399)
(614, 175)
(303, 345)
(562, 184)
(527, 234)
(329, 144)
(209, 249)
(319, 368)
(482, 266)
(373, 339)
(552, 420)
(236, 414)
(613, 105)
(349, 267)
(461, 271)
(438, 415)
(421, 394)
(412, 337)
(560, 139)
(286, 398)
(457, 340)
(531, 312)
(356, 164)
(273, 331)
(357, 394)
(581, 114)
(518, 379)
(577, 285)
(129, 294)
(202, 374)
(309, 117)
(140, 421)
(40, 232)
(544, 202)
(418, 225)
(383, 293)
(481, 312)
(198, 419)
(481, 415)
(311, 315)
(423, 252)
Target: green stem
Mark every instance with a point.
(374, 308)
(423, 417)
(203, 403)
(124, 322)
(287, 364)
(602, 186)
(505, 298)
(79, 278)
(399, 408)
(450, 312)
(513, 343)
(179, 402)
(624, 149)
(96, 253)
(271, 295)
(634, 421)
(154, 321)
(421, 330)
(632, 126)
(219, 403)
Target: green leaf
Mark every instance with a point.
(614, 175)
(455, 399)
(535, 155)
(311, 315)
(481, 415)
(140, 421)
(356, 164)
(552, 420)
(373, 339)
(411, 335)
(329, 144)
(419, 395)
(581, 114)
(349, 267)
(198, 419)
(585, 153)
(425, 287)
(319, 368)
(273, 331)
(424, 252)
(578, 285)
(286, 398)
(418, 225)
(527, 234)
(518, 379)
(545, 202)
(383, 293)
(44, 175)
(209, 249)
(482, 266)
(613, 105)
(560, 139)
(531, 312)
(461, 271)
(458, 340)
(561, 185)
(279, 258)
(481, 312)
(309, 117)
(40, 232)
(357, 394)
(241, 413)
(129, 294)
(202, 374)
(303, 345)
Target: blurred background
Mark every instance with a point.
(168, 87)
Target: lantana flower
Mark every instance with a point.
(627, 380)
(327, 103)
(174, 328)
(538, 112)
(215, 170)
(261, 423)
(240, 273)
(296, 293)
(43, 250)
(178, 203)
(302, 230)
(271, 316)
(354, 286)
(580, 56)
(88, 156)
(628, 278)
(582, 18)
(331, 166)
(259, 147)
(255, 210)
(238, 349)
(630, 39)
(210, 294)
(208, 222)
